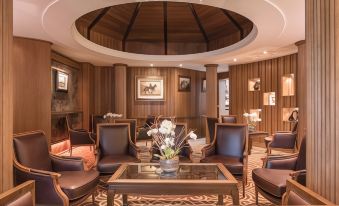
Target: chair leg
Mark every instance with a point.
(256, 196)
(243, 186)
(71, 151)
(93, 198)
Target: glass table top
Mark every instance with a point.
(185, 172)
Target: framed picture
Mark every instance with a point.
(184, 84)
(150, 88)
(61, 81)
(203, 85)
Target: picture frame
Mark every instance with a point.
(61, 81)
(184, 83)
(150, 88)
(203, 85)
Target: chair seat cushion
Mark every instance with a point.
(109, 164)
(77, 184)
(272, 181)
(233, 164)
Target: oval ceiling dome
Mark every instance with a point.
(164, 28)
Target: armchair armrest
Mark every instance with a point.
(208, 150)
(21, 194)
(67, 163)
(287, 162)
(44, 181)
(133, 149)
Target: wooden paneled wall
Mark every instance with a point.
(186, 106)
(6, 94)
(322, 50)
(302, 89)
(88, 101)
(32, 85)
(270, 73)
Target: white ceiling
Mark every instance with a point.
(279, 24)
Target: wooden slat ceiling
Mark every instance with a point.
(186, 23)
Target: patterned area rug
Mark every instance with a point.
(204, 200)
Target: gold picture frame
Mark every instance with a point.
(150, 88)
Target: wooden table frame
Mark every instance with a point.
(171, 186)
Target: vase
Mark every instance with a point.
(169, 166)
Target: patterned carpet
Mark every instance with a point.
(204, 200)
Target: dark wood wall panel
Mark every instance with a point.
(32, 85)
(322, 54)
(270, 73)
(103, 90)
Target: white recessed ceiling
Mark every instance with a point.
(278, 25)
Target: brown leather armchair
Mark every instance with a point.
(229, 119)
(78, 137)
(58, 180)
(95, 120)
(186, 153)
(210, 122)
(115, 147)
(285, 140)
(133, 127)
(297, 194)
(229, 148)
(270, 181)
(21, 195)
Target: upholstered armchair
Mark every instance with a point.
(298, 194)
(78, 137)
(229, 119)
(285, 140)
(142, 131)
(270, 181)
(95, 120)
(58, 180)
(210, 123)
(21, 195)
(133, 127)
(230, 149)
(115, 147)
(186, 153)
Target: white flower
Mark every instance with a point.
(193, 135)
(172, 133)
(154, 131)
(149, 133)
(163, 147)
(105, 116)
(163, 131)
(246, 114)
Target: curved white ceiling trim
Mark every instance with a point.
(279, 23)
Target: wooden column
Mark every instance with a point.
(211, 90)
(322, 50)
(6, 95)
(87, 93)
(301, 90)
(120, 87)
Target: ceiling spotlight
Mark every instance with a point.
(180, 65)
(235, 59)
(152, 65)
(265, 52)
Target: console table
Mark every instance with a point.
(192, 179)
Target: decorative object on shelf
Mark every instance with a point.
(110, 117)
(288, 85)
(290, 114)
(61, 83)
(168, 143)
(203, 85)
(254, 84)
(150, 88)
(294, 116)
(184, 84)
(227, 94)
(251, 119)
(269, 98)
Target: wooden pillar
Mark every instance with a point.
(322, 50)
(6, 95)
(211, 90)
(120, 87)
(301, 90)
(87, 93)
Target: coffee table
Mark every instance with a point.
(191, 179)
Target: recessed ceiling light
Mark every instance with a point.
(235, 59)
(180, 65)
(265, 52)
(152, 65)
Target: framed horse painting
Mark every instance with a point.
(150, 88)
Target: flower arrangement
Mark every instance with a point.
(252, 119)
(166, 140)
(111, 116)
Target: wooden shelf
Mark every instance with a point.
(270, 98)
(288, 85)
(66, 112)
(254, 84)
